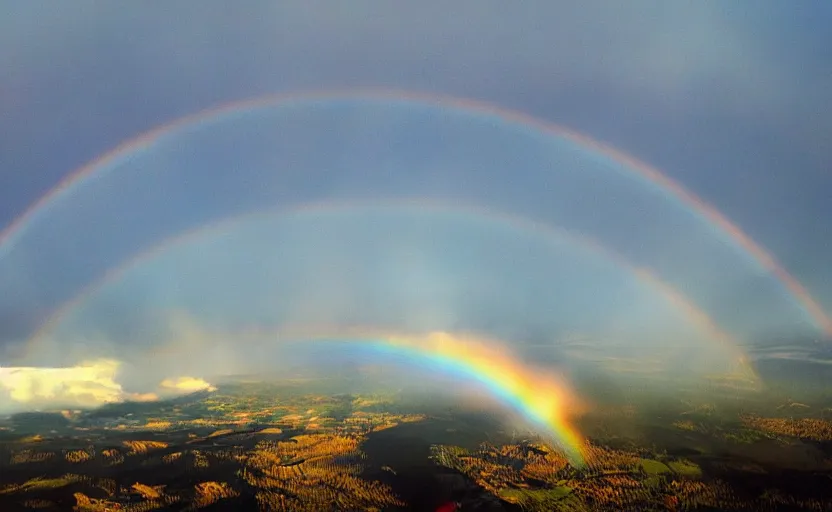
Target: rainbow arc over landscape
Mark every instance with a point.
(698, 318)
(668, 187)
(541, 399)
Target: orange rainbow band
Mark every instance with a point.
(541, 399)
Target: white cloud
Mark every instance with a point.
(86, 385)
(185, 385)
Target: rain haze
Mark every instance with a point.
(405, 170)
(435, 256)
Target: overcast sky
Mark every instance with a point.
(733, 100)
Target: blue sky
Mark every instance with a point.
(732, 100)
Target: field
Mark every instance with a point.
(294, 446)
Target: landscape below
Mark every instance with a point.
(359, 443)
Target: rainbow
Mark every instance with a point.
(541, 399)
(626, 163)
(697, 317)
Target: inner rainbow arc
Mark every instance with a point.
(541, 400)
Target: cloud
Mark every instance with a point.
(86, 385)
(142, 397)
(185, 385)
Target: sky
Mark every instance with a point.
(732, 101)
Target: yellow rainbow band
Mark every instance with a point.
(540, 398)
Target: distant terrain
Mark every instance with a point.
(302, 445)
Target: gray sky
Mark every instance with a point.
(731, 99)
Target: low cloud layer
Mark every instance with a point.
(184, 385)
(86, 385)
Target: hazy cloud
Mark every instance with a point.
(88, 384)
(732, 100)
(184, 385)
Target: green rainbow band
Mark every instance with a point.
(538, 399)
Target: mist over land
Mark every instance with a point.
(370, 270)
(399, 227)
